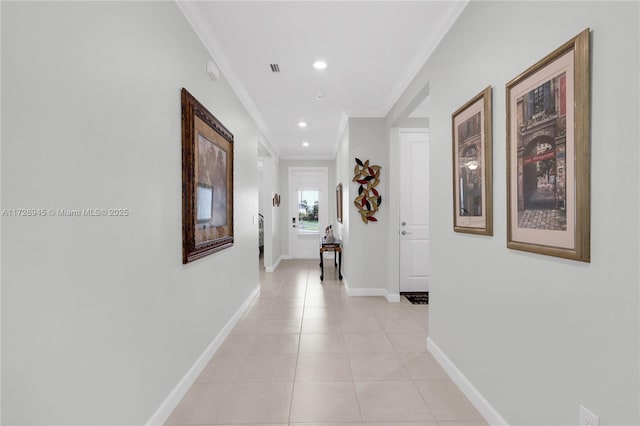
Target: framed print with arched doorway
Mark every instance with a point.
(548, 177)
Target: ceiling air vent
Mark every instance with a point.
(275, 68)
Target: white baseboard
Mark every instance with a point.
(490, 414)
(175, 396)
(273, 267)
(391, 297)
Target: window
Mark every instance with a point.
(541, 100)
(308, 208)
(205, 203)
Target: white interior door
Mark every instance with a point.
(414, 211)
(308, 210)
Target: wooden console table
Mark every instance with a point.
(336, 248)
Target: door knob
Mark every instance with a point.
(404, 232)
(404, 223)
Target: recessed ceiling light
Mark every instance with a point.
(302, 124)
(305, 143)
(319, 65)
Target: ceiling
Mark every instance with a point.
(372, 49)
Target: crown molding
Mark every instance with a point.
(428, 47)
(342, 127)
(298, 157)
(194, 16)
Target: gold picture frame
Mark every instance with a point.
(471, 135)
(548, 154)
(207, 182)
(339, 203)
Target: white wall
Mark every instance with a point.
(285, 216)
(277, 213)
(366, 253)
(538, 335)
(100, 319)
(272, 214)
(344, 176)
(393, 207)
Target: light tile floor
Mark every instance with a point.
(305, 353)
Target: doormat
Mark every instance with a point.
(417, 298)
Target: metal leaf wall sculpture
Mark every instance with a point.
(368, 200)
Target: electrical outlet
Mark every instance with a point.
(587, 418)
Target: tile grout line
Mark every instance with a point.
(295, 369)
(235, 382)
(411, 377)
(348, 355)
(353, 380)
(332, 291)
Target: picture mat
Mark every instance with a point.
(212, 168)
(481, 220)
(557, 238)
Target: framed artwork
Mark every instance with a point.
(472, 166)
(207, 182)
(339, 203)
(548, 159)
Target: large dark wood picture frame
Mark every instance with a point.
(548, 154)
(207, 182)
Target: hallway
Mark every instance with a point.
(306, 353)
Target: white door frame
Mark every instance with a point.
(401, 131)
(292, 235)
